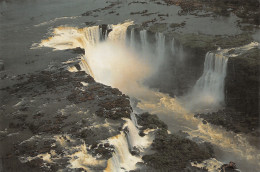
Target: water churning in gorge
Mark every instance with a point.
(125, 62)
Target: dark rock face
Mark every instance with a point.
(115, 108)
(232, 120)
(78, 50)
(149, 121)
(242, 83)
(173, 153)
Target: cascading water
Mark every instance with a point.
(173, 46)
(144, 41)
(70, 37)
(122, 159)
(135, 141)
(208, 92)
(160, 44)
(132, 38)
(210, 85)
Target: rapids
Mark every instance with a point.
(113, 63)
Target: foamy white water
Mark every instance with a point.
(69, 37)
(122, 159)
(134, 139)
(209, 89)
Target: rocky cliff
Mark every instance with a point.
(242, 83)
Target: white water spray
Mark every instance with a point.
(132, 38)
(160, 45)
(144, 41)
(173, 46)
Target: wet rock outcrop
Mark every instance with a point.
(172, 152)
(232, 120)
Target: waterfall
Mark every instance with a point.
(87, 38)
(132, 38)
(211, 83)
(173, 46)
(69, 37)
(133, 119)
(135, 141)
(91, 38)
(144, 41)
(160, 45)
(119, 32)
(122, 159)
(208, 91)
(152, 53)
